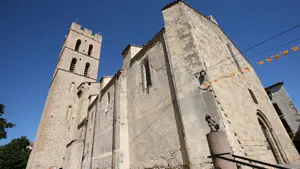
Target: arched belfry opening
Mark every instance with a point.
(78, 43)
(72, 65)
(272, 142)
(90, 50)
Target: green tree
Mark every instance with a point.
(14, 155)
(3, 123)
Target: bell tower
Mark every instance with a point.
(78, 62)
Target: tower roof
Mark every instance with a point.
(171, 4)
(273, 85)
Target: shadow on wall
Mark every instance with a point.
(296, 140)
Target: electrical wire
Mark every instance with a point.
(278, 46)
(271, 38)
(256, 45)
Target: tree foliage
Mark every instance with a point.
(3, 123)
(15, 154)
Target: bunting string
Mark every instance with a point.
(246, 69)
(278, 55)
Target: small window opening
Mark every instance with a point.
(234, 57)
(78, 43)
(73, 64)
(72, 87)
(86, 70)
(90, 50)
(108, 97)
(146, 74)
(69, 112)
(253, 96)
(79, 93)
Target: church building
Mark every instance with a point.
(151, 113)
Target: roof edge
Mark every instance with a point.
(127, 48)
(101, 79)
(147, 45)
(273, 85)
(116, 75)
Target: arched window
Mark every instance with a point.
(146, 75)
(73, 64)
(78, 43)
(90, 50)
(86, 70)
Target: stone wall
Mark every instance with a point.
(236, 106)
(193, 103)
(152, 125)
(194, 44)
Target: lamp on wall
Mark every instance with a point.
(200, 76)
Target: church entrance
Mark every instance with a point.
(272, 142)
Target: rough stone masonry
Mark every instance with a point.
(151, 113)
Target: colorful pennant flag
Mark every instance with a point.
(261, 62)
(296, 48)
(277, 56)
(285, 52)
(247, 68)
(269, 59)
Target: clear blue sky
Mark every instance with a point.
(33, 31)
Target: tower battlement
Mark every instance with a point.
(86, 32)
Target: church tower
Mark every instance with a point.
(78, 62)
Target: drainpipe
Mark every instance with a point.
(113, 162)
(184, 150)
(84, 147)
(94, 128)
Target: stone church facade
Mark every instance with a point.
(151, 113)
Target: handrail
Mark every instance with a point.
(244, 163)
(241, 162)
(260, 162)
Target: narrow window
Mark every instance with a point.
(146, 74)
(253, 96)
(73, 64)
(234, 57)
(69, 112)
(86, 69)
(279, 113)
(90, 50)
(78, 43)
(107, 102)
(287, 127)
(72, 87)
